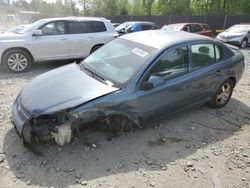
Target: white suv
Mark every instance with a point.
(54, 39)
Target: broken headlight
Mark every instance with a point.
(48, 120)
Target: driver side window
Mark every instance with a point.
(171, 64)
(53, 28)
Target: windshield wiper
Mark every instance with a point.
(93, 74)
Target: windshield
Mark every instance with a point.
(238, 29)
(31, 27)
(119, 60)
(172, 27)
(124, 25)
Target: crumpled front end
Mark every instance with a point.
(33, 127)
(61, 125)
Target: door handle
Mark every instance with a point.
(63, 39)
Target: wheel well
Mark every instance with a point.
(233, 79)
(17, 48)
(97, 45)
(245, 39)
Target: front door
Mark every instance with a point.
(52, 44)
(173, 92)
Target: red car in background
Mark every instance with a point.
(199, 28)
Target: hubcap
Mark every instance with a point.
(17, 62)
(244, 44)
(223, 94)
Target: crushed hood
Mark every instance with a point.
(62, 88)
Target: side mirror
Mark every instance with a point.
(37, 33)
(146, 86)
(152, 82)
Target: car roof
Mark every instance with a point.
(75, 18)
(161, 38)
(241, 25)
(187, 23)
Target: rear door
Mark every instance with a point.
(81, 38)
(103, 32)
(53, 43)
(206, 71)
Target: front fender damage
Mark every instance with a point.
(64, 125)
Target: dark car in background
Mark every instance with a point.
(135, 26)
(198, 28)
(133, 81)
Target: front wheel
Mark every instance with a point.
(17, 61)
(223, 95)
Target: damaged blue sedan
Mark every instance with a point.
(131, 82)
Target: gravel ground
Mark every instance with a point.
(201, 147)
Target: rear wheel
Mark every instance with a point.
(17, 61)
(223, 95)
(243, 43)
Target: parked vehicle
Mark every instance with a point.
(115, 24)
(54, 39)
(238, 35)
(132, 81)
(198, 28)
(135, 26)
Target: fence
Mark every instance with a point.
(218, 22)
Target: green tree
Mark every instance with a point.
(147, 6)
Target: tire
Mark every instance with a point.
(243, 43)
(17, 61)
(223, 94)
(116, 125)
(95, 48)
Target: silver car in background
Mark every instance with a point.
(53, 39)
(238, 35)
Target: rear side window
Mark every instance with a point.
(146, 27)
(202, 55)
(196, 28)
(79, 27)
(98, 26)
(205, 27)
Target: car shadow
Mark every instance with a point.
(92, 157)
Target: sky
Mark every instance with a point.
(51, 1)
